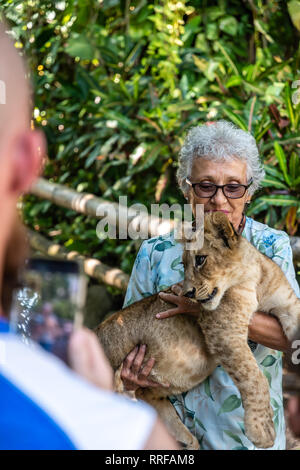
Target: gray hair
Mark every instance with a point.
(220, 141)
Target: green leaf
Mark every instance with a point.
(242, 427)
(231, 403)
(124, 121)
(234, 80)
(270, 170)
(183, 106)
(268, 376)
(200, 424)
(256, 207)
(268, 181)
(276, 421)
(214, 12)
(258, 135)
(236, 119)
(240, 448)
(92, 157)
(227, 57)
(261, 27)
(280, 200)
(175, 263)
(297, 181)
(229, 25)
(294, 11)
(288, 102)
(80, 46)
(294, 166)
(280, 155)
(291, 139)
(207, 388)
(271, 217)
(163, 246)
(148, 159)
(268, 361)
(274, 403)
(234, 437)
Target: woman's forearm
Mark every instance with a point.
(266, 330)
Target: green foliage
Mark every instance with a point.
(118, 83)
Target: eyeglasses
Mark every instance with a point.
(208, 190)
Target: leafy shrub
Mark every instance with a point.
(118, 83)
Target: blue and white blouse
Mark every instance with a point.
(213, 410)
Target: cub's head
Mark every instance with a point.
(210, 270)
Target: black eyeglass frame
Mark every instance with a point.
(246, 186)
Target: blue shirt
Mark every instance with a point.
(45, 405)
(213, 410)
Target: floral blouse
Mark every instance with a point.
(213, 410)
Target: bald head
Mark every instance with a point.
(14, 88)
(21, 153)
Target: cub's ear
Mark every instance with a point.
(189, 234)
(223, 229)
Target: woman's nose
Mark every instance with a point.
(219, 197)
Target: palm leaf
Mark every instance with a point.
(280, 155)
(280, 200)
(288, 102)
(270, 182)
(236, 119)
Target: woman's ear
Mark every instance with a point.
(28, 151)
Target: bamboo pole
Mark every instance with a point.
(88, 204)
(91, 266)
(116, 214)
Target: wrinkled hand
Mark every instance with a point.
(183, 304)
(133, 374)
(87, 358)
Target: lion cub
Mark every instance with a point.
(230, 279)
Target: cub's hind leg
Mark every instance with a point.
(226, 330)
(170, 418)
(254, 389)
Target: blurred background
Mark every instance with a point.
(117, 84)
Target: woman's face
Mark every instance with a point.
(234, 171)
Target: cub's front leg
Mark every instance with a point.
(226, 332)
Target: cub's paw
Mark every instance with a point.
(190, 444)
(259, 428)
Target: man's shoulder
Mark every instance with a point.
(71, 401)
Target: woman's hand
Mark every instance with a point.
(133, 374)
(183, 304)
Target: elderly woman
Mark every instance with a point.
(219, 167)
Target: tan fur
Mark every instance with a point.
(246, 281)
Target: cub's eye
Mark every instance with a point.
(199, 259)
